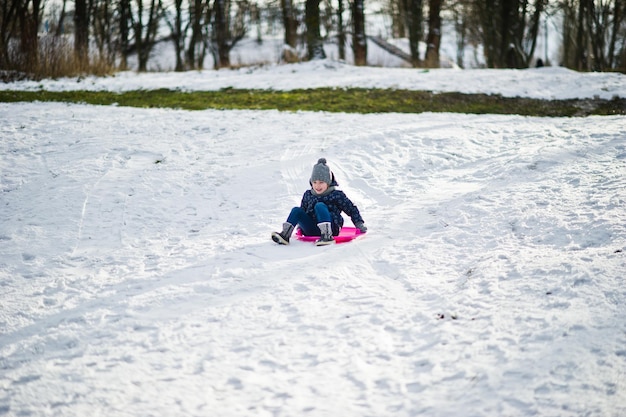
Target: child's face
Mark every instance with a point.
(320, 186)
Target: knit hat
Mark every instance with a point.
(321, 172)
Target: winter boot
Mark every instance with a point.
(327, 234)
(282, 238)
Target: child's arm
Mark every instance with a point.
(348, 207)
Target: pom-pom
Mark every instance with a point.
(321, 161)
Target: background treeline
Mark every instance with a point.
(71, 37)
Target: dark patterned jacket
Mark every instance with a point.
(337, 202)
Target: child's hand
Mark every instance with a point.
(361, 226)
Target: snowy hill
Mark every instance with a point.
(138, 277)
(547, 83)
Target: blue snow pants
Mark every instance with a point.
(306, 223)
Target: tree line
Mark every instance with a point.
(88, 36)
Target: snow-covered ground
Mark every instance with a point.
(543, 83)
(138, 278)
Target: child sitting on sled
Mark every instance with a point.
(319, 213)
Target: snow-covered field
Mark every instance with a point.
(544, 83)
(138, 278)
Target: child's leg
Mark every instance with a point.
(323, 215)
(304, 221)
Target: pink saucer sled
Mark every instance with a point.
(345, 235)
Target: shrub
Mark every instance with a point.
(55, 59)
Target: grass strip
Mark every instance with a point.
(350, 100)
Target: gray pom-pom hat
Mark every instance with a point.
(321, 172)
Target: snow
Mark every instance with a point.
(138, 277)
(542, 83)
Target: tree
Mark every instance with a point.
(529, 38)
(60, 28)
(123, 44)
(221, 34)
(104, 23)
(581, 38)
(603, 22)
(434, 34)
(290, 22)
(359, 38)
(569, 15)
(315, 45)
(8, 28)
(81, 33)
(145, 33)
(509, 30)
(461, 27)
(199, 15)
(29, 16)
(341, 31)
(594, 36)
(227, 32)
(619, 11)
(413, 17)
(395, 10)
(178, 33)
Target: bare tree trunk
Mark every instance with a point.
(433, 41)
(618, 16)
(221, 34)
(581, 39)
(601, 33)
(8, 29)
(460, 27)
(290, 23)
(315, 46)
(488, 14)
(341, 31)
(178, 34)
(103, 31)
(123, 47)
(595, 37)
(397, 13)
(509, 31)
(533, 31)
(413, 10)
(59, 29)
(569, 25)
(206, 35)
(591, 33)
(29, 44)
(508, 52)
(81, 33)
(359, 38)
(8, 23)
(227, 31)
(196, 12)
(145, 36)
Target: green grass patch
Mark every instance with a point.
(350, 100)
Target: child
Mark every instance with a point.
(319, 213)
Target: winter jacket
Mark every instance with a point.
(336, 201)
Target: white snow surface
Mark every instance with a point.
(543, 83)
(138, 278)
